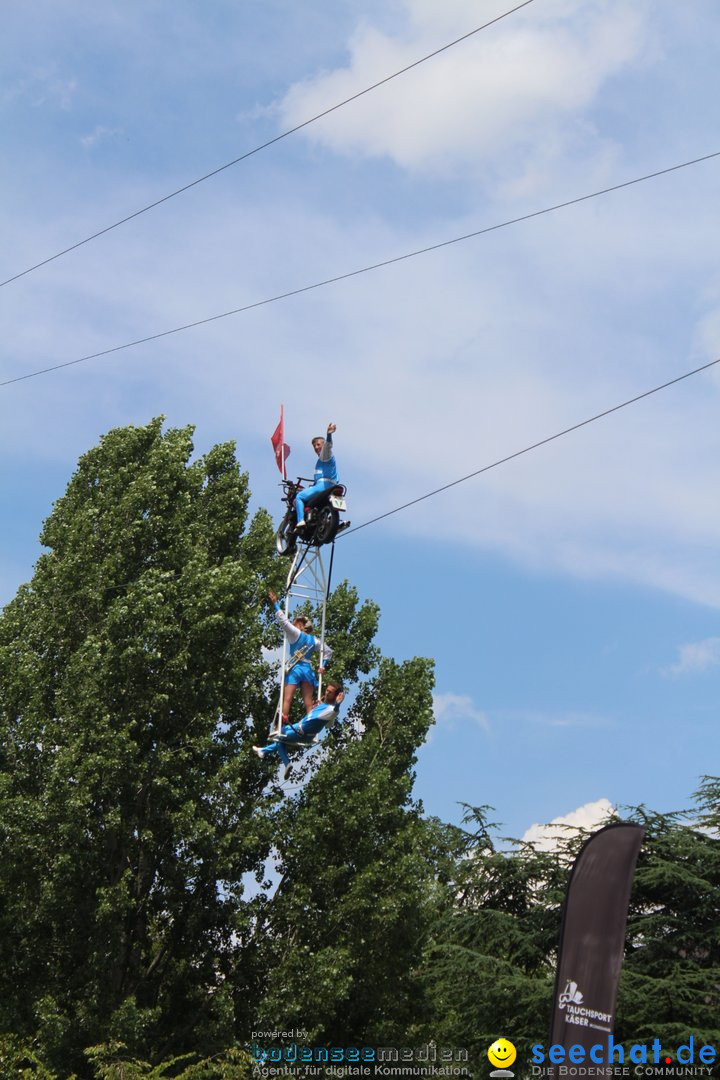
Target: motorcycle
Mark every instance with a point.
(322, 517)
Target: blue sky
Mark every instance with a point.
(570, 598)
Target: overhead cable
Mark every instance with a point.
(361, 270)
(263, 146)
(534, 446)
(500, 461)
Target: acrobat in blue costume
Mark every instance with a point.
(323, 714)
(326, 475)
(302, 646)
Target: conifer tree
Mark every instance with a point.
(489, 962)
(670, 984)
(488, 965)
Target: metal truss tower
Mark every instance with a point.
(308, 581)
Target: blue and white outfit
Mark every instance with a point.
(302, 648)
(325, 477)
(322, 715)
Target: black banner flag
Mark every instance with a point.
(592, 942)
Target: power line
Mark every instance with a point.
(534, 446)
(264, 146)
(362, 270)
(500, 461)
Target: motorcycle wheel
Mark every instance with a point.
(328, 520)
(285, 541)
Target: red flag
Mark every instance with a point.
(280, 447)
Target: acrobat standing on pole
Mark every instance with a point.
(302, 647)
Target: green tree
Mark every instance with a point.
(111, 1062)
(343, 932)
(351, 627)
(489, 961)
(19, 1061)
(130, 804)
(132, 812)
(670, 984)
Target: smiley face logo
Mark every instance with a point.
(502, 1053)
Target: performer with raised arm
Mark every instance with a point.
(298, 670)
(326, 475)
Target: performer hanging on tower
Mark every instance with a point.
(326, 475)
(298, 671)
(323, 714)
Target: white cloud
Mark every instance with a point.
(590, 816)
(521, 81)
(450, 708)
(101, 133)
(464, 380)
(696, 656)
(439, 365)
(41, 88)
(708, 327)
(566, 719)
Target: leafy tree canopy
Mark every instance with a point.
(128, 798)
(161, 896)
